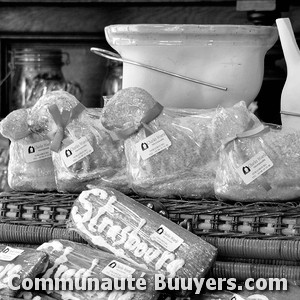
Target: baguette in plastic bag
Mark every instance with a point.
(18, 264)
(70, 260)
(112, 221)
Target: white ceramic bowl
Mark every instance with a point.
(231, 56)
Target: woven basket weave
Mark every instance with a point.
(253, 240)
(214, 218)
(44, 209)
(207, 217)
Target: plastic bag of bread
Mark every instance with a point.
(84, 153)
(260, 165)
(112, 221)
(18, 264)
(30, 166)
(34, 132)
(171, 152)
(74, 261)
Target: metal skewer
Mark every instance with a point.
(115, 56)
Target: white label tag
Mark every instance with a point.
(76, 151)
(116, 269)
(167, 238)
(9, 254)
(37, 151)
(254, 167)
(153, 144)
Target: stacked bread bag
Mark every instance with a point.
(73, 261)
(30, 165)
(171, 152)
(260, 165)
(110, 220)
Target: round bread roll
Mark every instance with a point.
(39, 118)
(126, 108)
(14, 126)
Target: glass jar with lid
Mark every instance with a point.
(36, 72)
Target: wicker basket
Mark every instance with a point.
(207, 217)
(254, 240)
(35, 209)
(214, 218)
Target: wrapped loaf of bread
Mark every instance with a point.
(260, 165)
(30, 166)
(55, 122)
(88, 155)
(70, 260)
(18, 264)
(180, 157)
(112, 221)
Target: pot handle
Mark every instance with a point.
(115, 56)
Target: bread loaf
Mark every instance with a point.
(70, 260)
(24, 173)
(30, 131)
(27, 129)
(184, 168)
(18, 264)
(112, 221)
(104, 165)
(281, 147)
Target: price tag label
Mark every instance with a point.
(254, 167)
(166, 238)
(9, 254)
(37, 151)
(116, 269)
(76, 151)
(153, 144)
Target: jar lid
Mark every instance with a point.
(37, 56)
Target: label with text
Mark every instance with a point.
(76, 151)
(116, 269)
(254, 167)
(153, 144)
(9, 254)
(37, 151)
(167, 238)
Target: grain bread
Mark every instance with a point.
(112, 221)
(279, 182)
(187, 167)
(20, 264)
(70, 260)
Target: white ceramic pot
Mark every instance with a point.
(230, 56)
